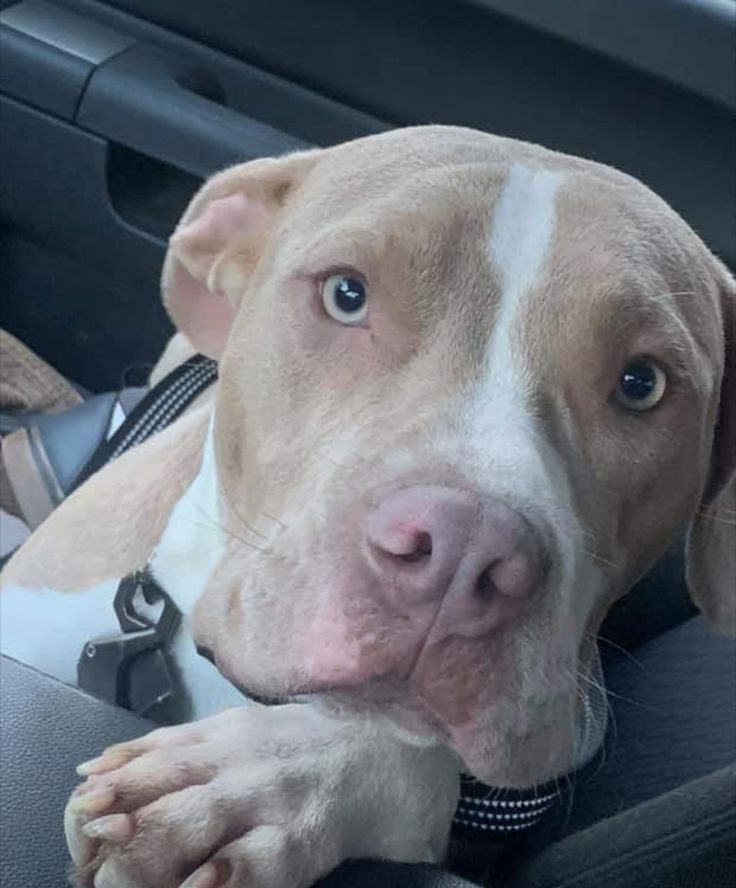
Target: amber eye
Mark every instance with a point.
(642, 385)
(345, 299)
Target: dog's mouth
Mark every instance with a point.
(389, 695)
(265, 699)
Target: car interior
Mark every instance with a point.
(111, 116)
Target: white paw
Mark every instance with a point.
(257, 797)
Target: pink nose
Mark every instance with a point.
(474, 561)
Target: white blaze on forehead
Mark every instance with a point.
(521, 233)
(522, 230)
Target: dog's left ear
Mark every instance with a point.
(219, 240)
(711, 541)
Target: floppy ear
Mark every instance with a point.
(218, 242)
(111, 524)
(711, 541)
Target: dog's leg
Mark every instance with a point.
(273, 797)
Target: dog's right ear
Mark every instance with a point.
(711, 542)
(218, 242)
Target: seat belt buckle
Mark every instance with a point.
(133, 669)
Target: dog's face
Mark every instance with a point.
(468, 396)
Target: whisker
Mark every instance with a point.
(720, 519)
(245, 542)
(215, 525)
(573, 678)
(617, 647)
(237, 514)
(272, 518)
(669, 295)
(608, 693)
(599, 559)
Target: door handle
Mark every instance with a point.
(174, 111)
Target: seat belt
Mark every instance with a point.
(163, 404)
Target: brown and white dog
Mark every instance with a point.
(470, 391)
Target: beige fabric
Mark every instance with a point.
(24, 476)
(27, 382)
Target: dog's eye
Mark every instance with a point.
(344, 298)
(641, 385)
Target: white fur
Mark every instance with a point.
(48, 629)
(187, 553)
(521, 233)
(193, 540)
(495, 419)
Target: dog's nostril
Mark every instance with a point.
(484, 585)
(423, 549)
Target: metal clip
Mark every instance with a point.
(125, 604)
(132, 669)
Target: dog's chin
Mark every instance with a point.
(502, 758)
(499, 758)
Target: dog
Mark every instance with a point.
(470, 391)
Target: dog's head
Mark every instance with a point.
(469, 393)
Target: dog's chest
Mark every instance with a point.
(49, 630)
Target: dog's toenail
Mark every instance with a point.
(211, 875)
(115, 828)
(90, 767)
(93, 802)
(108, 761)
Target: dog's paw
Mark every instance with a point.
(257, 797)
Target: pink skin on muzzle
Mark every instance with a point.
(432, 563)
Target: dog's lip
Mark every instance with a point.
(275, 699)
(205, 652)
(208, 654)
(377, 690)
